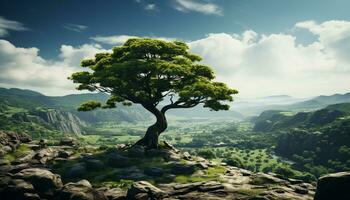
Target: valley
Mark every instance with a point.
(288, 142)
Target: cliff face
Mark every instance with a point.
(63, 121)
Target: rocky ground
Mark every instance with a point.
(65, 170)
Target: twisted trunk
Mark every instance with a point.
(150, 140)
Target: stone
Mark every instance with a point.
(136, 151)
(45, 155)
(258, 198)
(4, 162)
(81, 190)
(10, 140)
(186, 156)
(27, 158)
(64, 154)
(333, 186)
(294, 181)
(180, 168)
(153, 171)
(144, 190)
(43, 143)
(114, 193)
(94, 164)
(300, 190)
(261, 178)
(78, 170)
(202, 165)
(68, 142)
(136, 176)
(210, 186)
(116, 160)
(44, 182)
(18, 189)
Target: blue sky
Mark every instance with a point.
(56, 34)
(47, 19)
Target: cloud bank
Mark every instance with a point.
(262, 65)
(24, 68)
(203, 7)
(255, 64)
(10, 25)
(75, 27)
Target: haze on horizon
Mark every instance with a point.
(261, 48)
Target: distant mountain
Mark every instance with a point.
(319, 102)
(272, 120)
(286, 103)
(343, 107)
(251, 107)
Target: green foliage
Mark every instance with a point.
(206, 153)
(145, 71)
(89, 105)
(122, 183)
(234, 161)
(21, 151)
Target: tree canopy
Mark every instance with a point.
(146, 71)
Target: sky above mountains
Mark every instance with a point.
(260, 47)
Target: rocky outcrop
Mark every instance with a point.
(333, 186)
(29, 177)
(144, 190)
(10, 140)
(63, 121)
(81, 190)
(30, 183)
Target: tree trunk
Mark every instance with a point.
(150, 140)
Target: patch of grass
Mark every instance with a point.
(250, 192)
(258, 181)
(210, 174)
(10, 157)
(122, 183)
(21, 151)
(215, 170)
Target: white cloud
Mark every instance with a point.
(150, 7)
(147, 6)
(255, 64)
(334, 37)
(120, 39)
(260, 65)
(75, 27)
(113, 39)
(198, 6)
(24, 68)
(10, 25)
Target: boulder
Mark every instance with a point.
(144, 190)
(44, 182)
(94, 164)
(136, 151)
(333, 186)
(153, 171)
(261, 179)
(78, 170)
(114, 193)
(45, 155)
(300, 190)
(10, 140)
(81, 190)
(68, 142)
(186, 156)
(136, 176)
(64, 154)
(181, 168)
(18, 189)
(116, 160)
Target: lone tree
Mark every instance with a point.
(148, 71)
